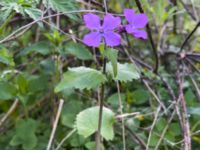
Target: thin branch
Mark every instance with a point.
(136, 138)
(122, 119)
(189, 36)
(65, 138)
(155, 96)
(152, 127)
(55, 124)
(186, 125)
(150, 38)
(165, 130)
(10, 111)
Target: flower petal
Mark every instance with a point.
(92, 39)
(140, 20)
(92, 21)
(140, 34)
(129, 15)
(112, 38)
(129, 28)
(110, 22)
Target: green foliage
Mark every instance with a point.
(77, 50)
(25, 134)
(6, 57)
(62, 6)
(80, 78)
(111, 54)
(7, 91)
(40, 47)
(125, 72)
(87, 122)
(42, 62)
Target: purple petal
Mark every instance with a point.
(92, 39)
(129, 28)
(92, 21)
(129, 14)
(112, 39)
(140, 20)
(140, 34)
(110, 22)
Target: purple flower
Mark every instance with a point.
(136, 22)
(98, 31)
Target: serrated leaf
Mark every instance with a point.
(7, 91)
(87, 122)
(80, 78)
(21, 137)
(125, 72)
(111, 54)
(78, 50)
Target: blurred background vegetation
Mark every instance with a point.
(41, 39)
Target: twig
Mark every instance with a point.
(42, 18)
(186, 126)
(65, 138)
(154, 94)
(189, 36)
(150, 38)
(152, 127)
(188, 11)
(121, 112)
(196, 87)
(165, 130)
(55, 124)
(12, 108)
(136, 138)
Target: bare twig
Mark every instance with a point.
(155, 96)
(196, 87)
(189, 36)
(152, 127)
(12, 108)
(186, 126)
(121, 112)
(65, 138)
(55, 124)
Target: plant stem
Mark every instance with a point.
(98, 140)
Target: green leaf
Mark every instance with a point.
(25, 134)
(62, 6)
(80, 78)
(140, 96)
(7, 91)
(40, 47)
(70, 110)
(111, 54)
(87, 122)
(34, 13)
(78, 50)
(6, 57)
(194, 110)
(125, 72)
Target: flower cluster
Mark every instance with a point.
(109, 29)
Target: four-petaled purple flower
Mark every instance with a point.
(104, 31)
(136, 22)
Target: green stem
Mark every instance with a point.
(4, 25)
(98, 142)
